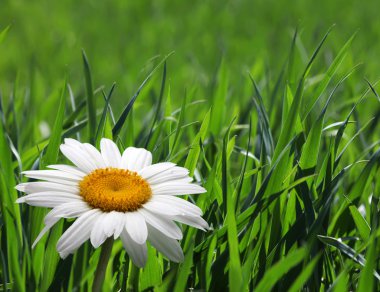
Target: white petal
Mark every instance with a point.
(173, 188)
(53, 176)
(136, 227)
(77, 233)
(49, 199)
(68, 168)
(136, 159)
(110, 153)
(194, 221)
(72, 142)
(68, 210)
(90, 152)
(154, 169)
(95, 155)
(119, 224)
(171, 174)
(168, 246)
(98, 236)
(137, 252)
(111, 223)
(39, 186)
(159, 208)
(178, 206)
(79, 157)
(166, 226)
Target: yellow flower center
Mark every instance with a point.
(113, 189)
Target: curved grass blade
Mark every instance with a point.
(104, 114)
(348, 251)
(91, 104)
(120, 122)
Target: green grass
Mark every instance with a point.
(279, 125)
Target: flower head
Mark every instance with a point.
(113, 194)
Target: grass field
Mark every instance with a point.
(272, 106)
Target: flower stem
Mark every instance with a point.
(102, 265)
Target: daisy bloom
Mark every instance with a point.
(113, 194)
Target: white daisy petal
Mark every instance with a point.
(111, 223)
(67, 210)
(77, 233)
(171, 174)
(36, 187)
(136, 227)
(172, 188)
(95, 155)
(97, 236)
(178, 206)
(194, 221)
(136, 159)
(137, 252)
(51, 175)
(77, 156)
(110, 153)
(119, 224)
(168, 246)
(166, 226)
(154, 169)
(68, 168)
(48, 199)
(89, 152)
(72, 142)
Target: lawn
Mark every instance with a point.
(272, 106)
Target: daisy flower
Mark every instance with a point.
(113, 194)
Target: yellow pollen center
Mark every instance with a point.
(114, 189)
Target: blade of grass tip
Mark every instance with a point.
(158, 109)
(290, 69)
(224, 166)
(104, 114)
(71, 119)
(309, 155)
(373, 89)
(360, 184)
(263, 118)
(242, 173)
(193, 156)
(361, 224)
(91, 104)
(279, 269)
(75, 113)
(180, 123)
(219, 98)
(329, 75)
(288, 129)
(52, 150)
(120, 122)
(348, 251)
(3, 33)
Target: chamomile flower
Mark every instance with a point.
(113, 194)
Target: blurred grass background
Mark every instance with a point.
(120, 37)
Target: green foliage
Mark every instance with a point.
(288, 151)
